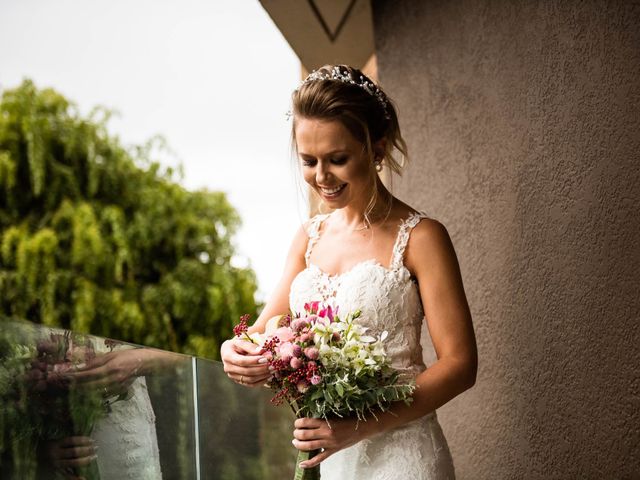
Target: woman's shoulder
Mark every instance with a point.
(428, 245)
(427, 235)
(428, 230)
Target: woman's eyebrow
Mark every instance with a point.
(332, 152)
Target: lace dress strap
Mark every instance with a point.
(404, 231)
(313, 231)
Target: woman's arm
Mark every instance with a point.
(242, 361)
(431, 258)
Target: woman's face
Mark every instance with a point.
(333, 162)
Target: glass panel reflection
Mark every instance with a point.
(77, 406)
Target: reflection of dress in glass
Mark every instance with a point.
(126, 438)
(389, 300)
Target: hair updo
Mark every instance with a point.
(363, 114)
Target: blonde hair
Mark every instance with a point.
(366, 117)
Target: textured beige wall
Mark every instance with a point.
(523, 122)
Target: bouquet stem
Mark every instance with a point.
(306, 473)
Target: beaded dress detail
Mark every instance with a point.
(389, 300)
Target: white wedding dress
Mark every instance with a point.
(127, 438)
(389, 300)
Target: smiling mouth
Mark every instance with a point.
(332, 191)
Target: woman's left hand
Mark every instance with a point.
(329, 437)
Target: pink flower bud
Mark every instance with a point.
(304, 337)
(315, 379)
(299, 323)
(295, 363)
(330, 313)
(311, 353)
(311, 307)
(297, 350)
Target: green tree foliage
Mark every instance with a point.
(100, 239)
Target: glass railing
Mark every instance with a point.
(80, 406)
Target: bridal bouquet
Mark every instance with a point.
(325, 366)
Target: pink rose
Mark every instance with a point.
(295, 363)
(285, 334)
(286, 351)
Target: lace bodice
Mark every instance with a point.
(389, 300)
(387, 296)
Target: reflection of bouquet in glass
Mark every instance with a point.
(41, 403)
(325, 366)
(65, 409)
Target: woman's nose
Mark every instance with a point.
(322, 172)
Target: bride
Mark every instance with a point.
(379, 255)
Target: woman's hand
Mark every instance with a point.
(329, 437)
(69, 453)
(244, 363)
(113, 372)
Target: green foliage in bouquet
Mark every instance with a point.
(98, 238)
(357, 376)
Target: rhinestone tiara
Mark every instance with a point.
(346, 77)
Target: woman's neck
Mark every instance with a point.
(355, 217)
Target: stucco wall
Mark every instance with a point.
(523, 122)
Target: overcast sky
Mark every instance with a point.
(213, 77)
